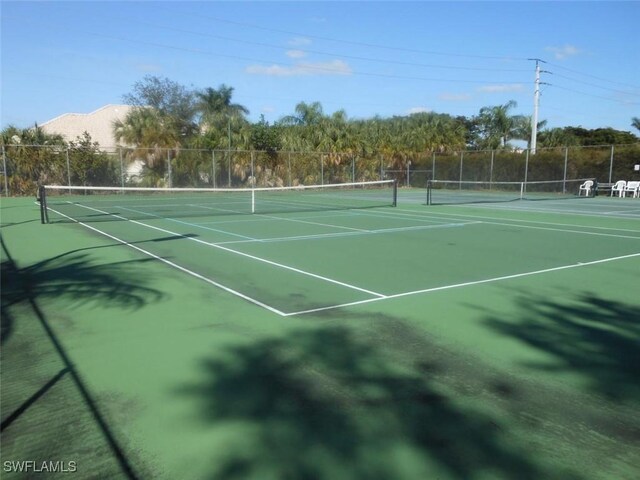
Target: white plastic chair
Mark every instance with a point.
(586, 188)
(632, 188)
(618, 188)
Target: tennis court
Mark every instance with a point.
(327, 333)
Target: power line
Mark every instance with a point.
(348, 42)
(339, 55)
(305, 66)
(624, 92)
(594, 96)
(593, 76)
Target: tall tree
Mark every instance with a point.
(90, 166)
(523, 128)
(215, 106)
(34, 157)
(497, 126)
(173, 106)
(222, 122)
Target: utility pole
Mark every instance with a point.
(536, 104)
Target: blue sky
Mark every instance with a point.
(368, 58)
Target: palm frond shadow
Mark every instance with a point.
(588, 335)
(77, 278)
(326, 403)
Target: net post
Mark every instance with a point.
(122, 173)
(253, 200)
(429, 192)
(5, 172)
(213, 168)
(68, 168)
(395, 193)
(42, 198)
(522, 190)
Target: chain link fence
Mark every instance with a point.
(24, 167)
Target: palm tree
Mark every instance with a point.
(306, 115)
(497, 126)
(152, 134)
(146, 128)
(524, 128)
(33, 157)
(216, 109)
(635, 123)
(557, 137)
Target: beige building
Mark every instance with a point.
(99, 124)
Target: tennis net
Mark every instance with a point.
(94, 204)
(445, 192)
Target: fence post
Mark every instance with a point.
(170, 183)
(493, 154)
(213, 168)
(321, 169)
(611, 165)
(353, 169)
(526, 169)
(461, 162)
(253, 178)
(381, 168)
(564, 175)
(289, 166)
(68, 169)
(4, 171)
(433, 165)
(121, 167)
(229, 166)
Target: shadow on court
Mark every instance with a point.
(588, 335)
(75, 277)
(332, 403)
(47, 407)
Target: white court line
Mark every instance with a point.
(253, 257)
(178, 267)
(465, 284)
(331, 307)
(231, 234)
(319, 236)
(352, 232)
(618, 214)
(518, 224)
(308, 222)
(259, 217)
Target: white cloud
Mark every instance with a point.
(560, 53)
(335, 67)
(454, 97)
(296, 53)
(509, 87)
(299, 42)
(413, 110)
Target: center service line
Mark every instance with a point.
(253, 257)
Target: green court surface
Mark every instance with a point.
(480, 341)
